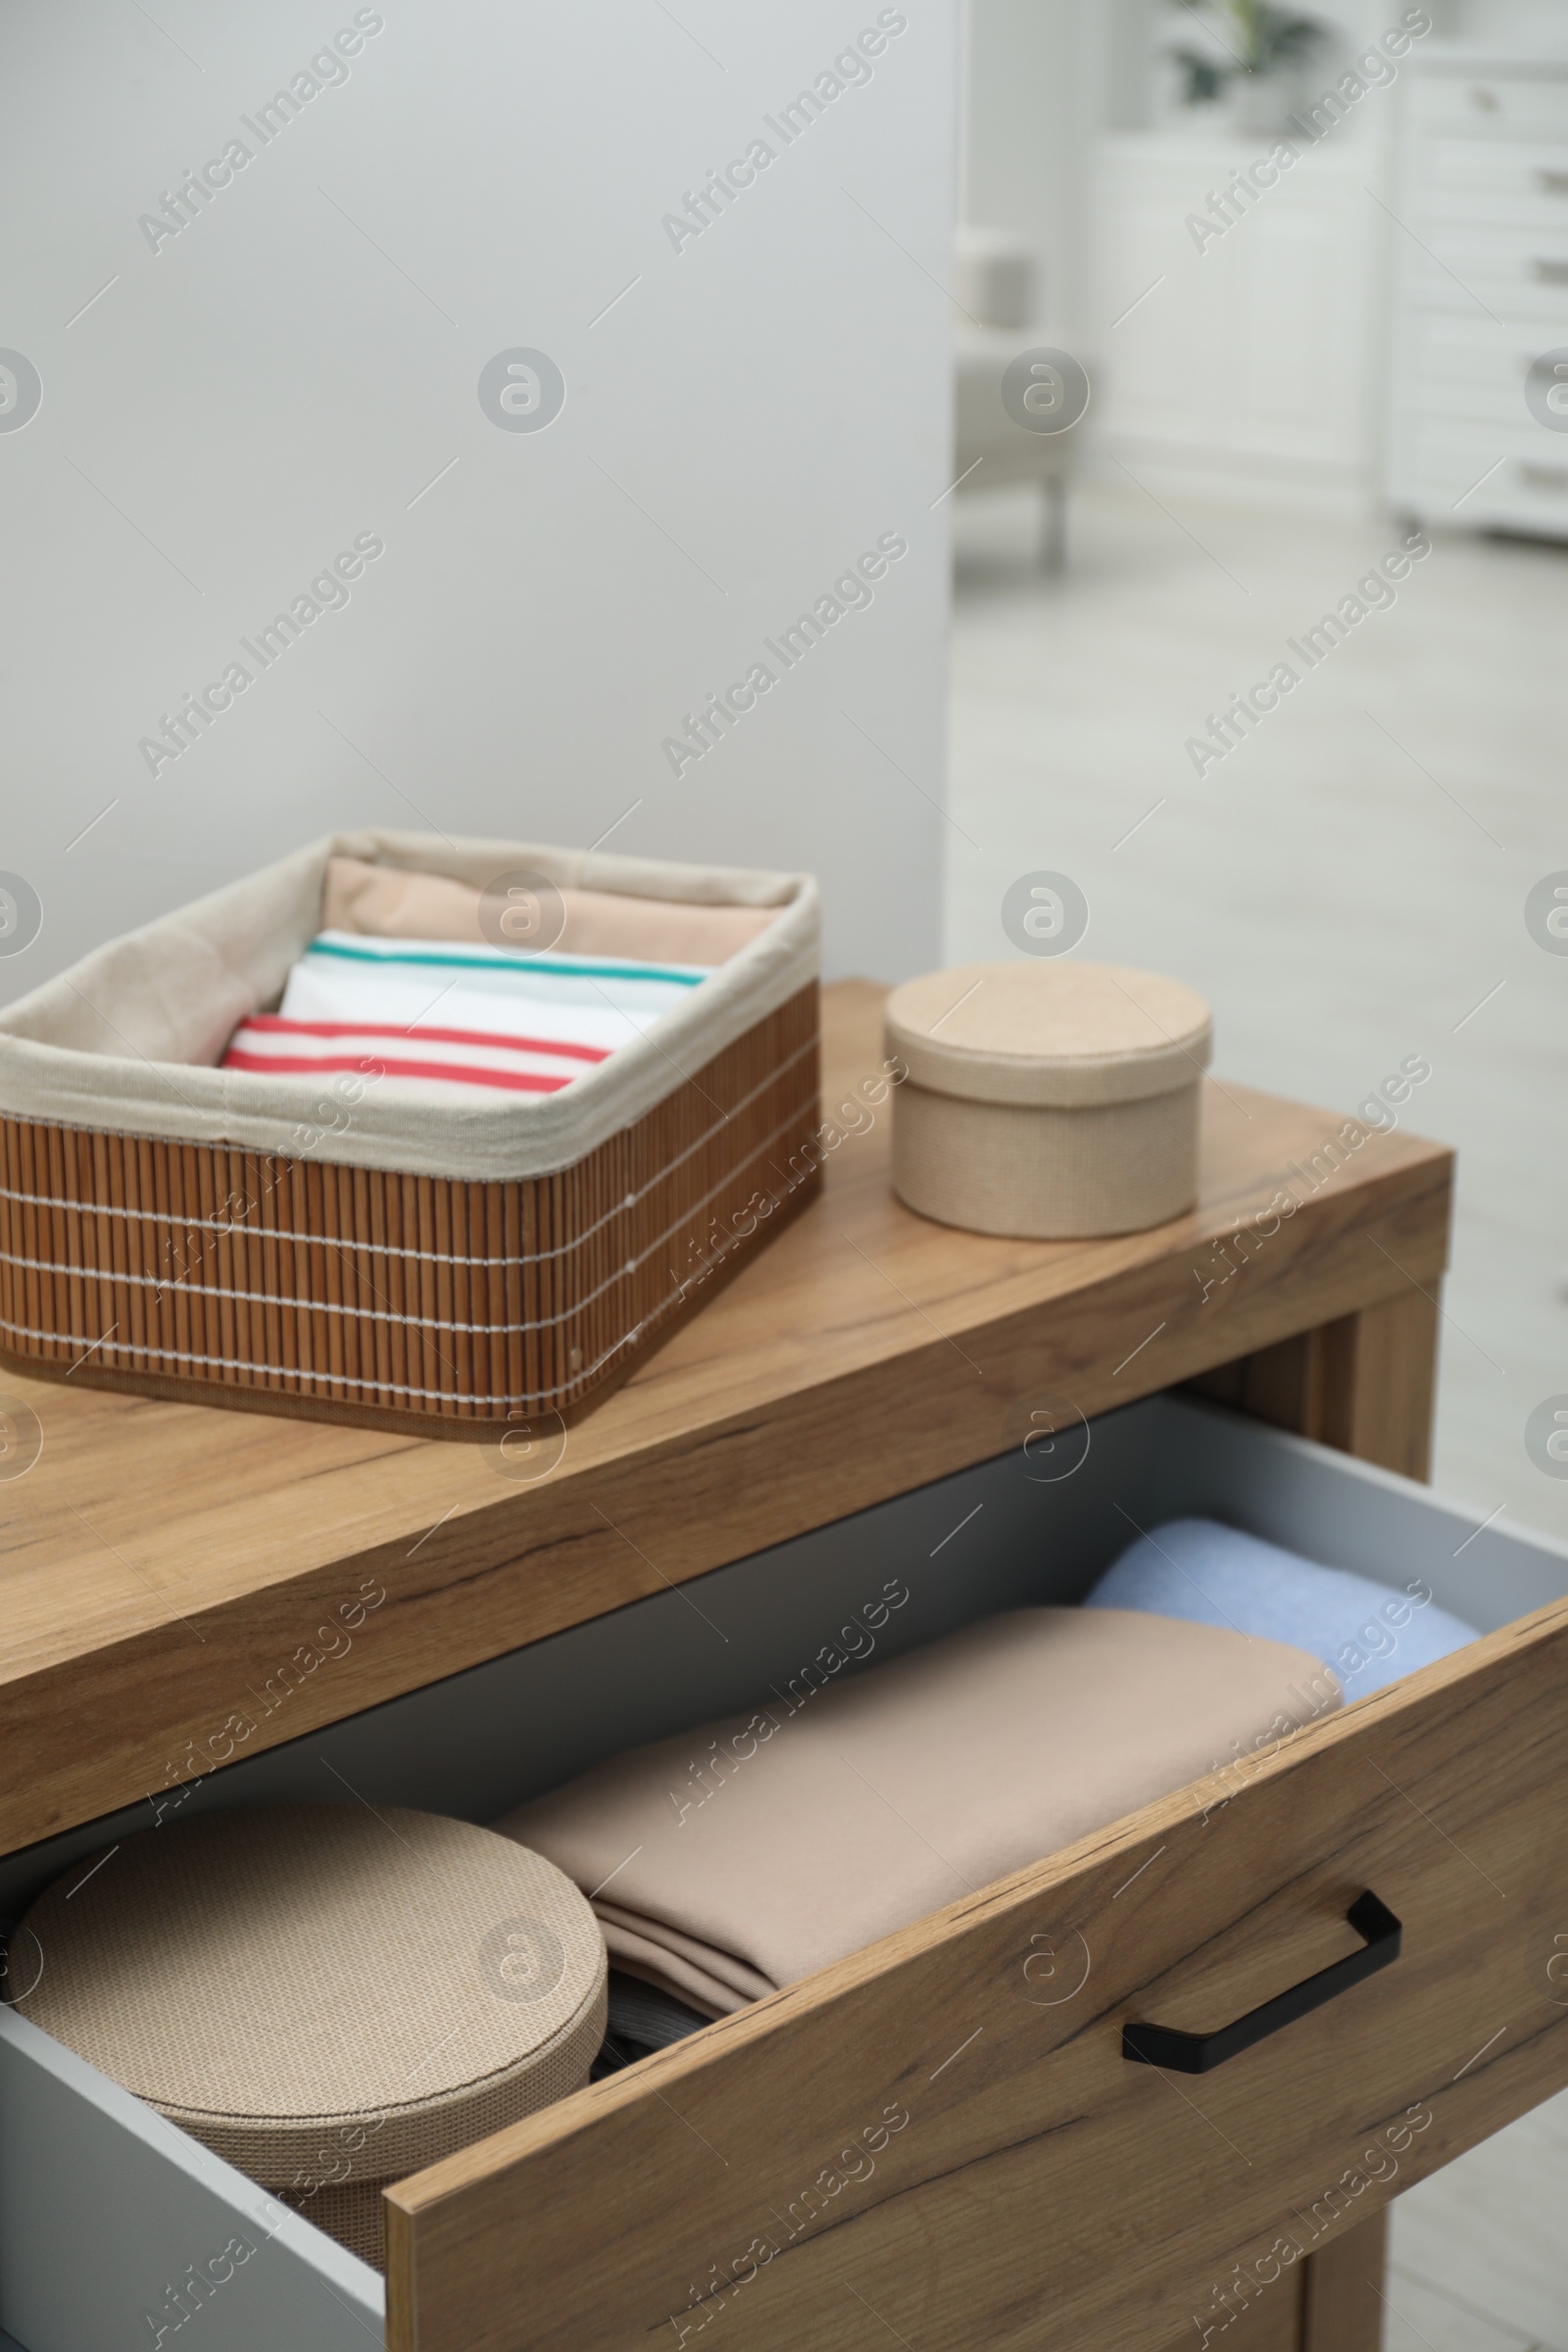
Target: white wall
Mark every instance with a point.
(299, 362)
(1022, 140)
(1509, 23)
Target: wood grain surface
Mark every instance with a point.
(1343, 2306)
(1363, 1383)
(165, 1564)
(938, 2139)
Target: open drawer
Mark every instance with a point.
(941, 2136)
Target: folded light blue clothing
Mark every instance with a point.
(1369, 1634)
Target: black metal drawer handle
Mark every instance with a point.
(1200, 2053)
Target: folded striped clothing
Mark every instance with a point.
(436, 1017)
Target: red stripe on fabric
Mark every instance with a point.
(529, 1082)
(275, 1024)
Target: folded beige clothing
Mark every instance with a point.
(383, 902)
(742, 1856)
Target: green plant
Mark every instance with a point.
(1258, 39)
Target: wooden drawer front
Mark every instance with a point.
(1042, 2192)
(942, 2139)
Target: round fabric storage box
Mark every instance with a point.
(1047, 1100)
(328, 1997)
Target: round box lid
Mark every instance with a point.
(270, 1977)
(1062, 1035)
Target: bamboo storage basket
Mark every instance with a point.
(1050, 1100)
(190, 1232)
(325, 2005)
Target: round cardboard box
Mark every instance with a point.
(1051, 1100)
(327, 1996)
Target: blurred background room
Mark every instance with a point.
(1311, 264)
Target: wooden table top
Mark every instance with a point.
(163, 1563)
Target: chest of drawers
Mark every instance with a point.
(1479, 262)
(941, 2136)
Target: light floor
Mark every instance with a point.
(1323, 885)
(1479, 2260)
(1348, 889)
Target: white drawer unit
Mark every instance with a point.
(1489, 98)
(114, 2226)
(1479, 295)
(1521, 485)
(1472, 371)
(1516, 274)
(1474, 182)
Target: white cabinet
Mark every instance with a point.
(1247, 352)
(1480, 294)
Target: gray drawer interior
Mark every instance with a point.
(116, 2228)
(84, 2163)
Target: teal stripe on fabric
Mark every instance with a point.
(500, 964)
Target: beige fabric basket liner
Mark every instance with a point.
(325, 1992)
(125, 1042)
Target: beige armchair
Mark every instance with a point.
(995, 278)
